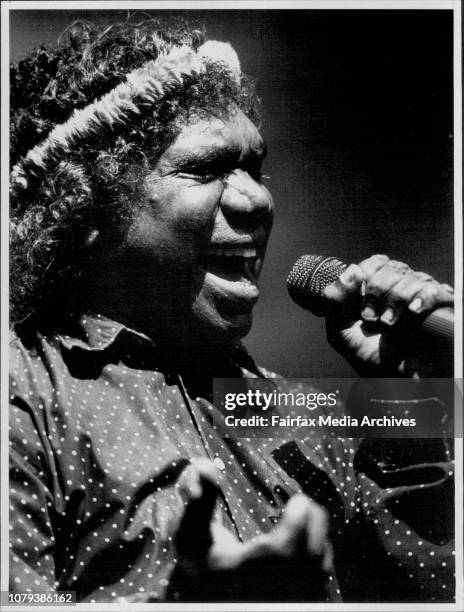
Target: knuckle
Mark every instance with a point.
(399, 267)
(386, 280)
(374, 261)
(423, 276)
(374, 288)
(379, 258)
(404, 289)
(397, 293)
(430, 291)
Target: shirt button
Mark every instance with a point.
(219, 463)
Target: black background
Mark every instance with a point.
(358, 121)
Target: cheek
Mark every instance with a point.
(177, 221)
(190, 216)
(198, 202)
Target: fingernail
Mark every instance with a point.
(388, 315)
(369, 312)
(415, 305)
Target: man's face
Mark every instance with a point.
(195, 250)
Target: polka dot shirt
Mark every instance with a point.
(102, 431)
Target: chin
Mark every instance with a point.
(224, 330)
(239, 329)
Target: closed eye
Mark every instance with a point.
(201, 177)
(207, 173)
(209, 177)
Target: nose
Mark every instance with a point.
(245, 197)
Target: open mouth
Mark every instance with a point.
(231, 277)
(232, 264)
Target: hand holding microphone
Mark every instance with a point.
(384, 317)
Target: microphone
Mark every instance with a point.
(311, 274)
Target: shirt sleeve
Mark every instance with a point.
(399, 547)
(390, 503)
(32, 541)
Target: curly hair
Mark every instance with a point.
(94, 183)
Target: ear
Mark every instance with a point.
(90, 238)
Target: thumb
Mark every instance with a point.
(343, 296)
(199, 486)
(304, 528)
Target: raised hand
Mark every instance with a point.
(291, 563)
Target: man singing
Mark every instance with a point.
(139, 226)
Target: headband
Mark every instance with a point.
(142, 88)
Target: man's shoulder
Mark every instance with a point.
(31, 354)
(26, 341)
(23, 347)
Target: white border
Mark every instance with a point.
(4, 308)
(454, 5)
(458, 308)
(233, 4)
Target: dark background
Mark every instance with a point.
(358, 121)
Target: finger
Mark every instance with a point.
(302, 532)
(304, 517)
(399, 297)
(378, 285)
(190, 482)
(222, 537)
(347, 285)
(370, 265)
(432, 295)
(448, 288)
(318, 544)
(303, 529)
(199, 486)
(305, 526)
(226, 552)
(291, 534)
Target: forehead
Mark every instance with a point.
(234, 136)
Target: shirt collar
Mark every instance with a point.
(95, 332)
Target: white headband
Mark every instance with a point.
(143, 87)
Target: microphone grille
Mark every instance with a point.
(309, 277)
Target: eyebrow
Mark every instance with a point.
(220, 156)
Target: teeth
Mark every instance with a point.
(233, 252)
